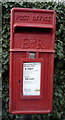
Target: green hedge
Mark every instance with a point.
(59, 76)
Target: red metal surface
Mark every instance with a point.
(32, 30)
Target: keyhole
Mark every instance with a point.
(19, 81)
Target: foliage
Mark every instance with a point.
(59, 76)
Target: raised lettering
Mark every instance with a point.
(40, 44)
(23, 17)
(25, 43)
(38, 18)
(49, 19)
(32, 43)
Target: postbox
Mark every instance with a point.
(31, 60)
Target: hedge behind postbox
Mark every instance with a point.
(59, 76)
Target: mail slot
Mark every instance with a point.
(31, 60)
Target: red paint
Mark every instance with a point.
(32, 30)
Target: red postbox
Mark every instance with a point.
(31, 60)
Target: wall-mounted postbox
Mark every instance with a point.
(31, 60)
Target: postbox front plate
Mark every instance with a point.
(31, 60)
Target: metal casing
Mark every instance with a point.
(32, 31)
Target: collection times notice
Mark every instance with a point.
(31, 78)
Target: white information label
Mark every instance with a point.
(31, 78)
